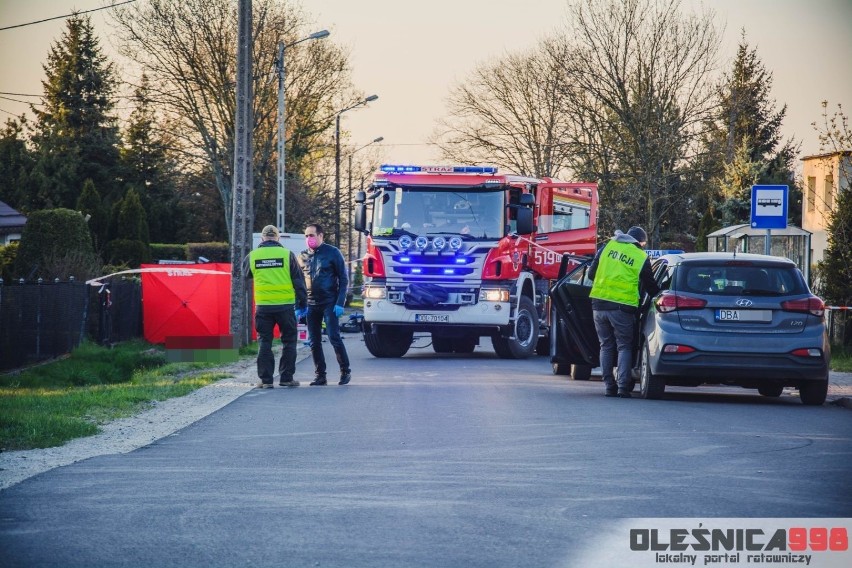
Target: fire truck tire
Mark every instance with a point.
(523, 343)
(581, 372)
(464, 345)
(442, 344)
(388, 343)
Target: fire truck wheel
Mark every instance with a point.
(464, 345)
(523, 343)
(442, 344)
(388, 343)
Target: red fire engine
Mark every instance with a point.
(461, 252)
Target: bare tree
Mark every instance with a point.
(637, 89)
(186, 47)
(509, 113)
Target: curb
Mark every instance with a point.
(844, 402)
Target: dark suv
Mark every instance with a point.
(721, 318)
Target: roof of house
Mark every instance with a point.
(10, 218)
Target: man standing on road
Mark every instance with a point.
(279, 289)
(327, 281)
(620, 271)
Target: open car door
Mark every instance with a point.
(574, 340)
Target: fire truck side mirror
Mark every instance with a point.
(525, 221)
(527, 199)
(360, 197)
(360, 222)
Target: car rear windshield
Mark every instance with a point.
(740, 279)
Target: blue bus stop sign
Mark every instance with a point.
(769, 206)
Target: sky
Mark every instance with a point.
(411, 53)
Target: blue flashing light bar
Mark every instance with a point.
(398, 169)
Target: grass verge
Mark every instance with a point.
(48, 405)
(841, 358)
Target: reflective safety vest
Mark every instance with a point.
(617, 277)
(270, 268)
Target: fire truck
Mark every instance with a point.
(463, 253)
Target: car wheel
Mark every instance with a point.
(813, 393)
(650, 385)
(581, 372)
(770, 390)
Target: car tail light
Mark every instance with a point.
(670, 301)
(373, 265)
(810, 305)
(673, 348)
(807, 352)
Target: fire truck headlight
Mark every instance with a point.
(439, 243)
(404, 242)
(493, 295)
(421, 243)
(455, 243)
(375, 292)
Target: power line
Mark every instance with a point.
(19, 101)
(19, 94)
(65, 16)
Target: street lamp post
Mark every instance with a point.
(371, 98)
(349, 224)
(282, 73)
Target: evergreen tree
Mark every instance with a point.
(90, 205)
(745, 138)
(15, 165)
(836, 266)
(132, 223)
(76, 137)
(150, 170)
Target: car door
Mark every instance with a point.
(576, 338)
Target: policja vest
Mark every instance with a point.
(617, 277)
(270, 269)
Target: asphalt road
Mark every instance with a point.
(430, 461)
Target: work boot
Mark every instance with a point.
(345, 378)
(265, 385)
(288, 383)
(319, 382)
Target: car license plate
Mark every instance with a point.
(432, 318)
(744, 315)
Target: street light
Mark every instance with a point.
(369, 99)
(282, 73)
(349, 225)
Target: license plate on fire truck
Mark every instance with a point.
(431, 318)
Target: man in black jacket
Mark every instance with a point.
(327, 282)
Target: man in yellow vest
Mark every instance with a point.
(279, 290)
(620, 271)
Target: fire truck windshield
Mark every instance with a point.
(478, 214)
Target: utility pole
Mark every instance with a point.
(242, 215)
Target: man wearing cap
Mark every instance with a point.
(620, 271)
(279, 290)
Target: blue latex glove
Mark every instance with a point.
(301, 313)
(338, 311)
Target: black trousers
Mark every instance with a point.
(265, 322)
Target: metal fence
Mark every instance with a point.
(44, 320)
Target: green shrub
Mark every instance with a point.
(56, 243)
(214, 252)
(161, 251)
(123, 251)
(7, 260)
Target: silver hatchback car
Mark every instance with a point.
(721, 318)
